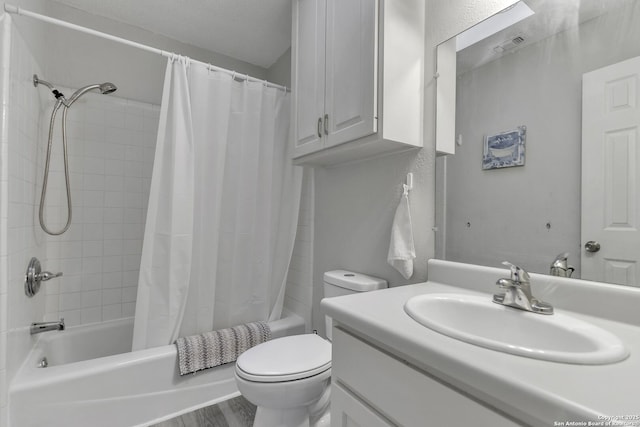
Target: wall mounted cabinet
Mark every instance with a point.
(357, 73)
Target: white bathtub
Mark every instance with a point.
(93, 379)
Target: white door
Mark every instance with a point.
(351, 70)
(610, 175)
(308, 79)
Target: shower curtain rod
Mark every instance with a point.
(22, 12)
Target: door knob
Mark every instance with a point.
(592, 246)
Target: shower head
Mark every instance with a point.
(107, 88)
(104, 88)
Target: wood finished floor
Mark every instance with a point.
(236, 412)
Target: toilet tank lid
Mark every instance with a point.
(354, 281)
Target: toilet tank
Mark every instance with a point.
(342, 282)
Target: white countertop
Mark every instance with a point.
(534, 391)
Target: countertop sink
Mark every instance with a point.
(477, 320)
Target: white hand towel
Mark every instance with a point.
(401, 249)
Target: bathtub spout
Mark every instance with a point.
(38, 327)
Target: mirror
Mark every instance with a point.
(559, 92)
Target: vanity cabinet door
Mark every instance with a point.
(348, 411)
(400, 392)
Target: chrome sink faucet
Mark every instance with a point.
(517, 292)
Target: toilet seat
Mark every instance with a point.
(285, 359)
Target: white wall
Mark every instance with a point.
(280, 71)
(539, 86)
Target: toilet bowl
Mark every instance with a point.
(289, 378)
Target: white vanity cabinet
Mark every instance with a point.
(357, 76)
(371, 387)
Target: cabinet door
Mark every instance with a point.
(308, 55)
(348, 411)
(351, 70)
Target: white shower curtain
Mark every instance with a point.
(223, 207)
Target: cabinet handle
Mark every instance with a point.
(319, 127)
(326, 124)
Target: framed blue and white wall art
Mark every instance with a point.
(504, 149)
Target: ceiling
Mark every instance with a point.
(254, 31)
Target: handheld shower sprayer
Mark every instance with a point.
(62, 101)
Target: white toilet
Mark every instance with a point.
(288, 378)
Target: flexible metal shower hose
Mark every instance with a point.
(45, 180)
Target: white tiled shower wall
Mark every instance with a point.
(17, 238)
(111, 150)
(111, 145)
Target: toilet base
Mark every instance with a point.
(317, 414)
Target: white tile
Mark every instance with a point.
(113, 199)
(131, 262)
(113, 215)
(133, 184)
(70, 283)
(92, 265)
(112, 280)
(133, 200)
(3, 309)
(112, 247)
(94, 149)
(3, 348)
(91, 281)
(114, 151)
(3, 388)
(70, 249)
(113, 183)
(52, 304)
(133, 231)
(112, 264)
(91, 315)
(113, 231)
(128, 309)
(130, 278)
(52, 288)
(71, 317)
(133, 216)
(93, 182)
(94, 132)
(129, 293)
(93, 232)
(93, 198)
(132, 246)
(92, 248)
(111, 312)
(91, 299)
(111, 296)
(69, 266)
(94, 165)
(114, 167)
(72, 301)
